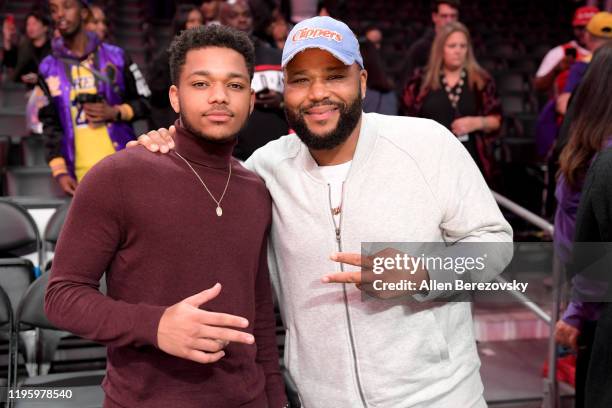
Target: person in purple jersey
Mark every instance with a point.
(174, 337)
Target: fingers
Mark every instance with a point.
(203, 357)
(209, 345)
(342, 277)
(231, 335)
(351, 259)
(204, 296)
(146, 141)
(222, 319)
(132, 143)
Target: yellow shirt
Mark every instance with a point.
(92, 142)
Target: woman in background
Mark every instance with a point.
(590, 134)
(456, 92)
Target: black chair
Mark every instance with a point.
(19, 234)
(8, 330)
(85, 385)
(510, 83)
(512, 104)
(16, 275)
(53, 229)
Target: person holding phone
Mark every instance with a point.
(95, 92)
(554, 67)
(267, 84)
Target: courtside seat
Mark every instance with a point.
(85, 385)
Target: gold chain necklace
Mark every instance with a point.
(219, 209)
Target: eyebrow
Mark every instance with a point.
(229, 75)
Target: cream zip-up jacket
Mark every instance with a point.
(410, 180)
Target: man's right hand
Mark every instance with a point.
(67, 183)
(188, 332)
(160, 140)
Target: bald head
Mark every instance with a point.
(237, 15)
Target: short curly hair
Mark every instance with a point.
(214, 35)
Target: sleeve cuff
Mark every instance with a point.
(127, 113)
(146, 323)
(58, 166)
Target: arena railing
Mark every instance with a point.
(551, 398)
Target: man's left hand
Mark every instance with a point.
(100, 112)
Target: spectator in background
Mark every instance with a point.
(442, 13)
(598, 32)
(374, 36)
(162, 114)
(267, 122)
(456, 92)
(590, 133)
(210, 11)
(96, 22)
(95, 92)
(10, 41)
(380, 96)
(589, 148)
(31, 50)
(552, 77)
(556, 63)
(278, 29)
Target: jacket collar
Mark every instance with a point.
(61, 51)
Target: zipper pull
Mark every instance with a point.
(338, 234)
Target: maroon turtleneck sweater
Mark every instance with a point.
(147, 221)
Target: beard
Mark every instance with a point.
(349, 117)
(187, 125)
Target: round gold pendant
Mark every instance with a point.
(219, 211)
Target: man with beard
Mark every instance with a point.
(348, 178)
(95, 92)
(163, 350)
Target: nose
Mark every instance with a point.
(218, 94)
(318, 91)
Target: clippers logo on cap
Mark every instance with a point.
(312, 33)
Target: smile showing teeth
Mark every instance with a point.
(321, 113)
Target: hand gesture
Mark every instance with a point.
(376, 284)
(191, 333)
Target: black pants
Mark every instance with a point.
(599, 378)
(585, 345)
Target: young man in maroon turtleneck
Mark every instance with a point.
(188, 319)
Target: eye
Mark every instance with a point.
(236, 86)
(199, 84)
(299, 81)
(335, 77)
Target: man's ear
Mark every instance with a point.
(363, 80)
(174, 98)
(252, 101)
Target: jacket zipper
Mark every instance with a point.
(337, 227)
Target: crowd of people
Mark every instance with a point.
(237, 77)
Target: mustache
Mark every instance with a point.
(219, 108)
(324, 102)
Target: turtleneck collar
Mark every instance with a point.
(201, 151)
